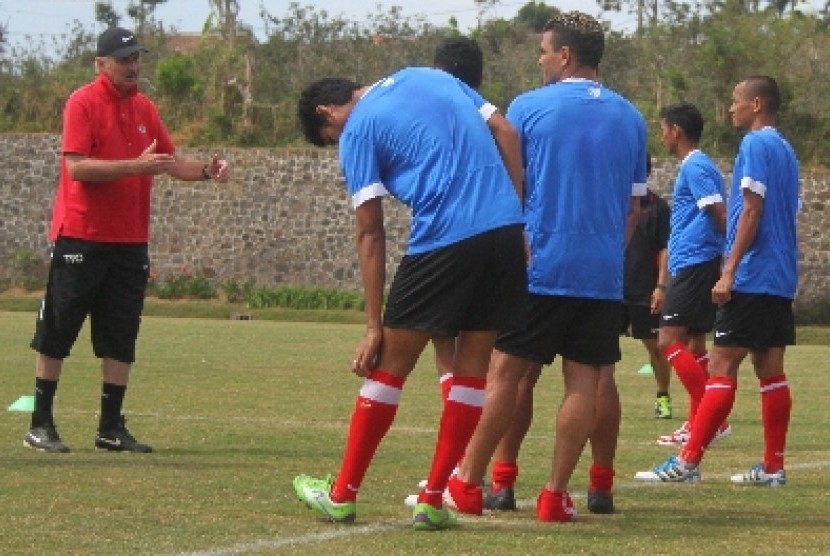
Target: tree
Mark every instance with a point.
(534, 15)
(141, 11)
(106, 14)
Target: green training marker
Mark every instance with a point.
(646, 370)
(23, 403)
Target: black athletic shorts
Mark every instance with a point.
(688, 300)
(474, 284)
(103, 280)
(755, 321)
(642, 323)
(583, 330)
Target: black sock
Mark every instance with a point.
(662, 394)
(44, 396)
(112, 398)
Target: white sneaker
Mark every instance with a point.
(757, 476)
(676, 438)
(681, 435)
(412, 500)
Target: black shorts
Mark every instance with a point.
(688, 300)
(102, 280)
(643, 323)
(583, 330)
(755, 321)
(474, 284)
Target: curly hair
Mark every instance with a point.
(581, 32)
(329, 90)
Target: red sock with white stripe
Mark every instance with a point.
(776, 404)
(703, 360)
(691, 374)
(374, 412)
(716, 405)
(445, 381)
(462, 410)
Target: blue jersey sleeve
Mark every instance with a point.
(361, 168)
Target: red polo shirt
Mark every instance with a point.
(99, 123)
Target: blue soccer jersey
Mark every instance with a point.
(767, 165)
(695, 238)
(584, 151)
(421, 135)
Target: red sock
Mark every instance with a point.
(703, 360)
(776, 403)
(462, 411)
(503, 475)
(445, 381)
(602, 478)
(715, 406)
(374, 412)
(690, 373)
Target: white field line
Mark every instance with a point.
(348, 531)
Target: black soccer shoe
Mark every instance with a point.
(46, 439)
(600, 502)
(118, 439)
(505, 499)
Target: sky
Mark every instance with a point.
(43, 20)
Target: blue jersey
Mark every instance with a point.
(584, 151)
(421, 135)
(695, 238)
(767, 165)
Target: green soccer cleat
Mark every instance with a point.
(662, 407)
(315, 494)
(427, 518)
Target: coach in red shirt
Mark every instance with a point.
(114, 143)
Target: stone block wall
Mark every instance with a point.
(285, 219)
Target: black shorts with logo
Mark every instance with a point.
(106, 281)
(583, 330)
(755, 321)
(643, 324)
(688, 300)
(475, 284)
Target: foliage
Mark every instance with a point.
(181, 286)
(187, 285)
(25, 270)
(236, 89)
(305, 298)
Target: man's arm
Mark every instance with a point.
(659, 292)
(370, 240)
(507, 141)
(718, 212)
(189, 169)
(149, 162)
(84, 168)
(753, 206)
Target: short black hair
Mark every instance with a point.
(765, 87)
(687, 117)
(461, 57)
(329, 90)
(582, 33)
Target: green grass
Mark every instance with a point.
(234, 409)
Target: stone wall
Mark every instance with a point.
(284, 218)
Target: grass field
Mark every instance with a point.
(234, 409)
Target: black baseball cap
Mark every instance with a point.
(118, 43)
